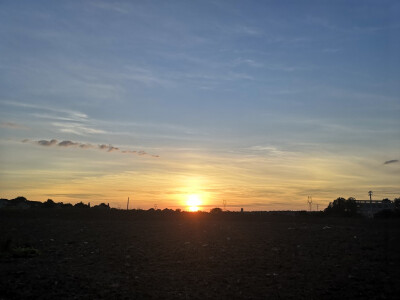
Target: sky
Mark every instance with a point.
(256, 103)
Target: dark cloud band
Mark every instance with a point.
(105, 147)
(391, 161)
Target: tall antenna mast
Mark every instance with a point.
(309, 201)
(127, 204)
(224, 204)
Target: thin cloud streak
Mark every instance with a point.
(69, 144)
(12, 125)
(74, 115)
(66, 121)
(77, 128)
(392, 161)
(121, 8)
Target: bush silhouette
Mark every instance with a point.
(216, 210)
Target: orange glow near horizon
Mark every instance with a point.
(193, 202)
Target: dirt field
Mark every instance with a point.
(55, 254)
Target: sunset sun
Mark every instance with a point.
(193, 202)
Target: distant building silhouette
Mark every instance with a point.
(370, 207)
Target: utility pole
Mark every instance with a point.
(370, 202)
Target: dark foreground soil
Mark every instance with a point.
(55, 254)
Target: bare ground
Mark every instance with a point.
(55, 254)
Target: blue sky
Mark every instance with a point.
(260, 103)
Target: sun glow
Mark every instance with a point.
(193, 202)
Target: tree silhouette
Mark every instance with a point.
(81, 205)
(397, 203)
(20, 199)
(341, 206)
(49, 204)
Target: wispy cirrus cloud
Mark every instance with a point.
(69, 144)
(77, 128)
(247, 30)
(12, 125)
(268, 150)
(56, 112)
(392, 161)
(65, 120)
(121, 8)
